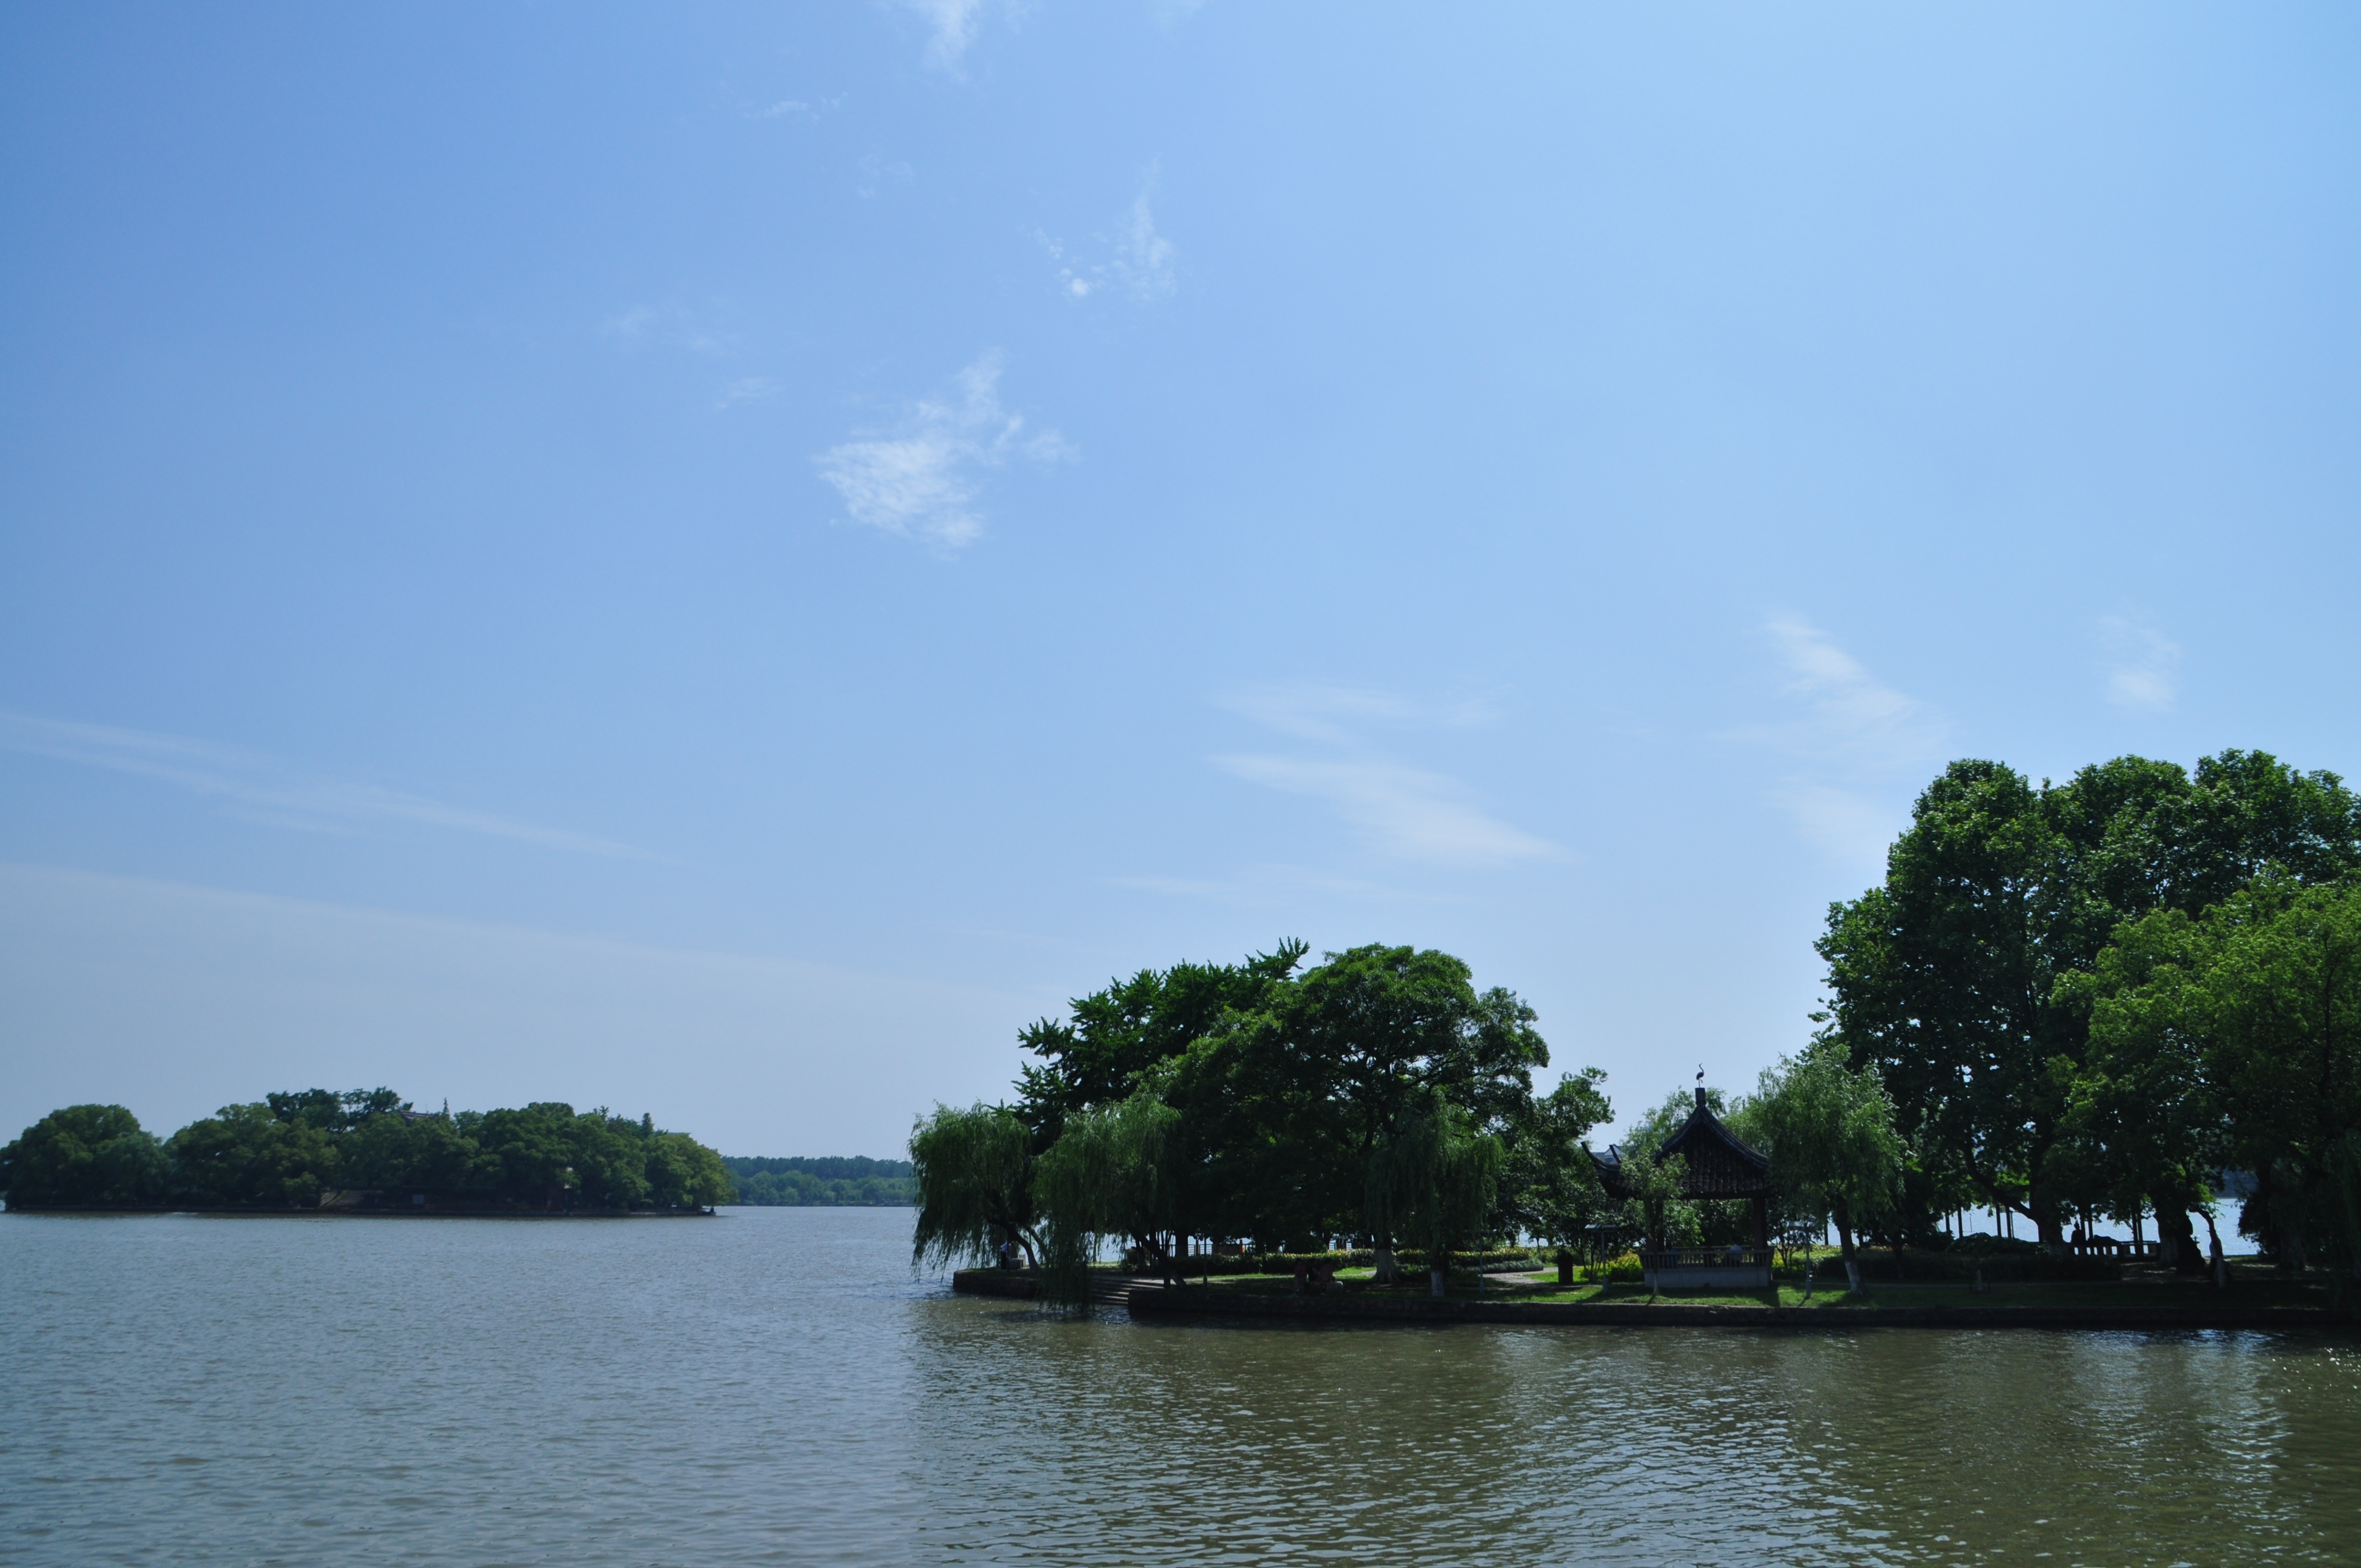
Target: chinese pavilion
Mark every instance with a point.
(1716, 1165)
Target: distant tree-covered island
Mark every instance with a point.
(362, 1151)
(826, 1181)
(2111, 998)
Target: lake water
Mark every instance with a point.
(775, 1386)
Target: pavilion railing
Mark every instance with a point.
(1709, 1257)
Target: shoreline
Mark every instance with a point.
(1151, 1303)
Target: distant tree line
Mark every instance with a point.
(837, 1180)
(2066, 1002)
(360, 1148)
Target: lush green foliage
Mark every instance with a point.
(366, 1148)
(2065, 999)
(2023, 983)
(84, 1156)
(828, 1181)
(974, 1173)
(1550, 1186)
(1828, 1129)
(2234, 1039)
(1114, 1172)
(1378, 1094)
(1436, 1181)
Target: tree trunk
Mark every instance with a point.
(1843, 1213)
(2178, 1238)
(2053, 1233)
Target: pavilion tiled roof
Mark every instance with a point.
(1717, 1164)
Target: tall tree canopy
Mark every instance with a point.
(1956, 976)
(84, 1157)
(2234, 1039)
(1254, 1100)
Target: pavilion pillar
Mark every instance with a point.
(1761, 1222)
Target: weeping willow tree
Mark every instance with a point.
(974, 1173)
(1833, 1147)
(1434, 1182)
(1109, 1174)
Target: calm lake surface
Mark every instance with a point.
(775, 1386)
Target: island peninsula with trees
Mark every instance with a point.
(2109, 998)
(366, 1151)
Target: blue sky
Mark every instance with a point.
(719, 560)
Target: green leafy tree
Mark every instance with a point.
(84, 1157)
(528, 1154)
(1294, 1101)
(2237, 1038)
(386, 1150)
(249, 1156)
(1436, 1181)
(1828, 1129)
(1142, 1028)
(2144, 1094)
(2281, 1009)
(1097, 1056)
(683, 1173)
(1112, 1173)
(1943, 979)
(609, 1159)
(1653, 1182)
(1550, 1183)
(975, 1169)
(1950, 976)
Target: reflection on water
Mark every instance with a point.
(773, 1387)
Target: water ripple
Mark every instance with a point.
(775, 1387)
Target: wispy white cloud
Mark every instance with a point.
(1410, 813)
(1315, 710)
(796, 108)
(922, 480)
(668, 324)
(1846, 711)
(878, 173)
(1143, 259)
(1404, 811)
(748, 389)
(951, 27)
(1262, 886)
(1139, 259)
(1847, 738)
(269, 791)
(2143, 664)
